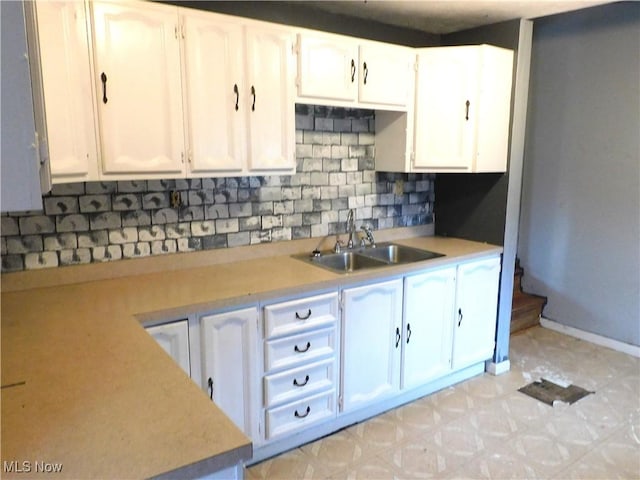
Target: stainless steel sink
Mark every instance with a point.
(396, 254)
(382, 255)
(344, 262)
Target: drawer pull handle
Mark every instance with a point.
(459, 316)
(235, 90)
(303, 415)
(306, 380)
(408, 332)
(299, 317)
(210, 387)
(306, 348)
(397, 337)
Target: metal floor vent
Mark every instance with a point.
(548, 392)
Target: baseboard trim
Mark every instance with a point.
(497, 368)
(591, 337)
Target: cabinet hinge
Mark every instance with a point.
(182, 157)
(415, 66)
(340, 402)
(175, 31)
(182, 31)
(295, 47)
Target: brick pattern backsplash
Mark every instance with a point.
(108, 221)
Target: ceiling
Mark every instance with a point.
(446, 16)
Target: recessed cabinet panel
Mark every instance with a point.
(372, 342)
(327, 68)
(68, 95)
(174, 339)
(428, 327)
(386, 75)
(137, 72)
(214, 80)
(447, 95)
(475, 312)
(228, 342)
(269, 98)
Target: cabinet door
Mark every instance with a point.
(174, 339)
(214, 79)
(446, 101)
(386, 75)
(476, 312)
(68, 94)
(228, 364)
(269, 100)
(327, 68)
(371, 343)
(137, 61)
(21, 160)
(428, 326)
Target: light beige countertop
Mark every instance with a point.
(83, 385)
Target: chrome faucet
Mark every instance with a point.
(368, 231)
(351, 229)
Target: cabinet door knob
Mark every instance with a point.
(305, 317)
(103, 77)
(305, 349)
(366, 72)
(302, 415)
(353, 70)
(397, 336)
(253, 92)
(235, 90)
(467, 105)
(459, 316)
(306, 380)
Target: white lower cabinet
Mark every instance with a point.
(475, 312)
(428, 328)
(173, 337)
(371, 343)
(301, 364)
(228, 354)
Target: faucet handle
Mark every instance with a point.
(338, 246)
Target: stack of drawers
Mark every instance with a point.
(301, 363)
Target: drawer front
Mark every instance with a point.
(298, 349)
(299, 315)
(298, 382)
(284, 420)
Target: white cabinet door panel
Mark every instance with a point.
(386, 73)
(138, 85)
(445, 123)
(215, 78)
(269, 99)
(371, 342)
(428, 329)
(327, 68)
(174, 339)
(67, 83)
(476, 312)
(228, 349)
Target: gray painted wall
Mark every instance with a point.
(580, 224)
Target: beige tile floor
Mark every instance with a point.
(485, 429)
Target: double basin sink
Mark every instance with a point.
(363, 258)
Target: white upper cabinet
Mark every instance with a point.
(343, 71)
(138, 83)
(239, 96)
(68, 94)
(214, 80)
(462, 112)
(463, 104)
(327, 68)
(269, 99)
(386, 75)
